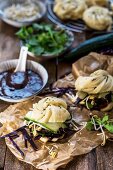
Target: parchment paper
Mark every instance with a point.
(81, 142)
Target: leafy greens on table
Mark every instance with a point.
(43, 39)
(97, 123)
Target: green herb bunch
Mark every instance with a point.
(43, 39)
(96, 123)
(101, 125)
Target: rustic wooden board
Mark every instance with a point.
(12, 163)
(100, 158)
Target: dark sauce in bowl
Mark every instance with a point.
(19, 85)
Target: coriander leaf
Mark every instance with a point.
(89, 126)
(109, 127)
(51, 34)
(89, 105)
(27, 45)
(30, 30)
(105, 118)
(33, 41)
(38, 50)
(22, 33)
(105, 123)
(48, 27)
(98, 120)
(37, 27)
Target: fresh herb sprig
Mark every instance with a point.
(97, 123)
(43, 39)
(100, 124)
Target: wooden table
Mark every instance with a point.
(100, 158)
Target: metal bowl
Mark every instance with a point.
(6, 3)
(34, 66)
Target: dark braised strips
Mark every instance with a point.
(16, 146)
(61, 133)
(95, 103)
(28, 136)
(89, 103)
(19, 85)
(59, 91)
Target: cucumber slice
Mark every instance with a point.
(32, 120)
(52, 127)
(34, 116)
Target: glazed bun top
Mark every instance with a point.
(98, 82)
(98, 18)
(69, 9)
(49, 109)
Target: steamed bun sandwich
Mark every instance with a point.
(69, 9)
(98, 18)
(48, 119)
(95, 91)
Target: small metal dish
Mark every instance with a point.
(6, 3)
(32, 65)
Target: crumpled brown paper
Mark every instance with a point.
(91, 63)
(81, 142)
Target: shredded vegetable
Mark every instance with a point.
(21, 12)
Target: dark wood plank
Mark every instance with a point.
(105, 156)
(84, 162)
(7, 29)
(9, 45)
(2, 153)
(65, 67)
(50, 65)
(12, 163)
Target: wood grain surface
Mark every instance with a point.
(100, 158)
